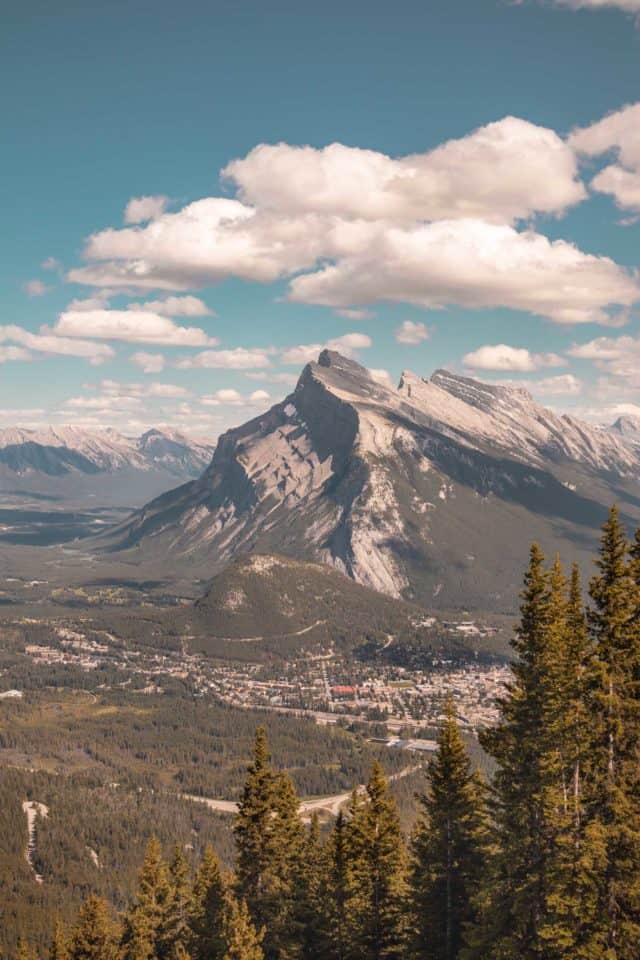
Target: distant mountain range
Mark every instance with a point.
(430, 492)
(70, 463)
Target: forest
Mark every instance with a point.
(540, 862)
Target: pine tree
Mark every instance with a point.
(175, 929)
(377, 875)
(517, 887)
(270, 838)
(146, 922)
(615, 786)
(242, 941)
(334, 916)
(311, 894)
(449, 849)
(206, 912)
(59, 946)
(94, 936)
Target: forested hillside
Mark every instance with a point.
(541, 863)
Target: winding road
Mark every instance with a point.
(331, 805)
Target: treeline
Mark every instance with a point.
(542, 864)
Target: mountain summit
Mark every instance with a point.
(426, 492)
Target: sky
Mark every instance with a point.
(198, 197)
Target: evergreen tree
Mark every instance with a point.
(242, 941)
(270, 838)
(175, 932)
(59, 946)
(94, 936)
(312, 891)
(615, 781)
(206, 911)
(334, 915)
(376, 875)
(518, 894)
(449, 849)
(146, 923)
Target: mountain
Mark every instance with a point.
(431, 492)
(276, 605)
(66, 461)
(627, 427)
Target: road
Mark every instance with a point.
(331, 805)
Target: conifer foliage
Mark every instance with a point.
(543, 863)
(449, 850)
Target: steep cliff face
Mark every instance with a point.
(429, 492)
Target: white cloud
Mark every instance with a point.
(187, 306)
(503, 357)
(349, 227)
(620, 133)
(205, 242)
(51, 264)
(95, 353)
(619, 357)
(354, 314)
(565, 384)
(35, 288)
(140, 209)
(237, 359)
(347, 345)
(233, 398)
(13, 353)
(382, 376)
(473, 264)
(630, 6)
(501, 172)
(133, 326)
(412, 332)
(148, 362)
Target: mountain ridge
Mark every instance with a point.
(427, 492)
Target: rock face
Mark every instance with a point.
(627, 427)
(63, 460)
(431, 492)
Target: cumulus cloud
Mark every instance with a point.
(187, 306)
(474, 264)
(347, 345)
(35, 288)
(501, 172)
(351, 227)
(565, 384)
(51, 264)
(412, 332)
(13, 353)
(233, 398)
(148, 362)
(237, 359)
(95, 353)
(382, 376)
(133, 326)
(619, 357)
(500, 356)
(620, 133)
(141, 209)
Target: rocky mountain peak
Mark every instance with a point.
(627, 426)
(412, 491)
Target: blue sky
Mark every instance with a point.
(436, 233)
